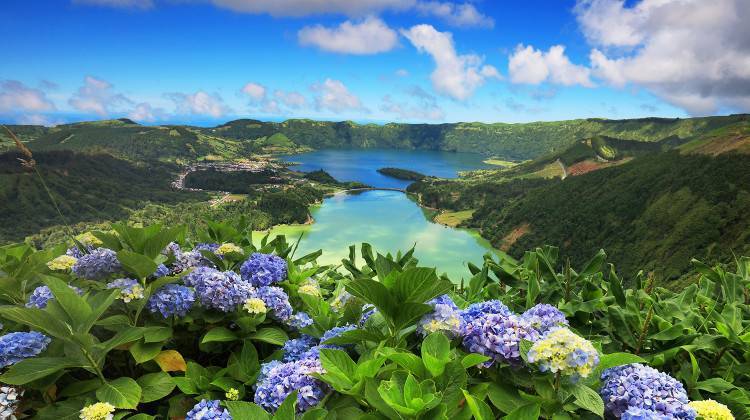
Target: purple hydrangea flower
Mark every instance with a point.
(76, 252)
(498, 337)
(635, 413)
(191, 259)
(475, 310)
(42, 294)
(544, 317)
(276, 300)
(97, 265)
(161, 271)
(445, 317)
(265, 369)
(206, 246)
(300, 320)
(172, 248)
(208, 410)
(282, 379)
(223, 291)
(263, 269)
(643, 387)
(368, 310)
(295, 348)
(171, 299)
(17, 346)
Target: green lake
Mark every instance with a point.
(390, 222)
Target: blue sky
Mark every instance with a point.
(208, 61)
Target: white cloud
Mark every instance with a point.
(456, 76)
(144, 112)
(531, 66)
(694, 54)
(125, 4)
(255, 91)
(462, 15)
(16, 96)
(291, 99)
(334, 96)
(369, 36)
(38, 119)
(297, 8)
(425, 108)
(199, 103)
(97, 96)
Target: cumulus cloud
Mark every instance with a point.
(456, 76)
(144, 112)
(255, 91)
(531, 66)
(17, 97)
(424, 108)
(199, 103)
(369, 36)
(290, 99)
(97, 96)
(297, 8)
(694, 54)
(125, 4)
(461, 15)
(334, 96)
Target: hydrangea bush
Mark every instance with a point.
(137, 323)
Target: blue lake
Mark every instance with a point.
(362, 164)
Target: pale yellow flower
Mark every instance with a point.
(233, 394)
(229, 248)
(98, 411)
(255, 306)
(62, 263)
(89, 239)
(711, 410)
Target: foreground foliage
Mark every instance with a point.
(140, 323)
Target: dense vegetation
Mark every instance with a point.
(87, 187)
(654, 212)
(403, 174)
(239, 182)
(135, 323)
(240, 138)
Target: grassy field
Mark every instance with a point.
(453, 218)
(500, 162)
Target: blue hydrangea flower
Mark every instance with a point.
(171, 300)
(475, 310)
(276, 300)
(498, 337)
(263, 269)
(17, 346)
(223, 291)
(295, 348)
(639, 386)
(129, 289)
(445, 317)
(206, 246)
(335, 332)
(265, 369)
(97, 265)
(76, 252)
(42, 294)
(191, 259)
(368, 310)
(161, 271)
(208, 410)
(172, 248)
(282, 379)
(635, 413)
(300, 320)
(544, 317)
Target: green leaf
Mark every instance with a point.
(607, 361)
(525, 412)
(137, 264)
(246, 410)
(275, 336)
(143, 352)
(219, 334)
(38, 320)
(479, 409)
(122, 393)
(588, 399)
(287, 408)
(408, 361)
(714, 385)
(243, 366)
(420, 284)
(373, 292)
(410, 313)
(504, 397)
(473, 359)
(523, 347)
(35, 368)
(436, 349)
(75, 306)
(155, 334)
(155, 386)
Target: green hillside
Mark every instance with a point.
(239, 138)
(89, 188)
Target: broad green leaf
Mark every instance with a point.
(420, 284)
(479, 409)
(505, 397)
(75, 306)
(139, 265)
(38, 320)
(122, 393)
(607, 361)
(35, 368)
(588, 399)
(143, 352)
(244, 365)
(246, 410)
(155, 386)
(525, 412)
(219, 334)
(287, 409)
(436, 350)
(271, 335)
(373, 292)
(713, 385)
(473, 359)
